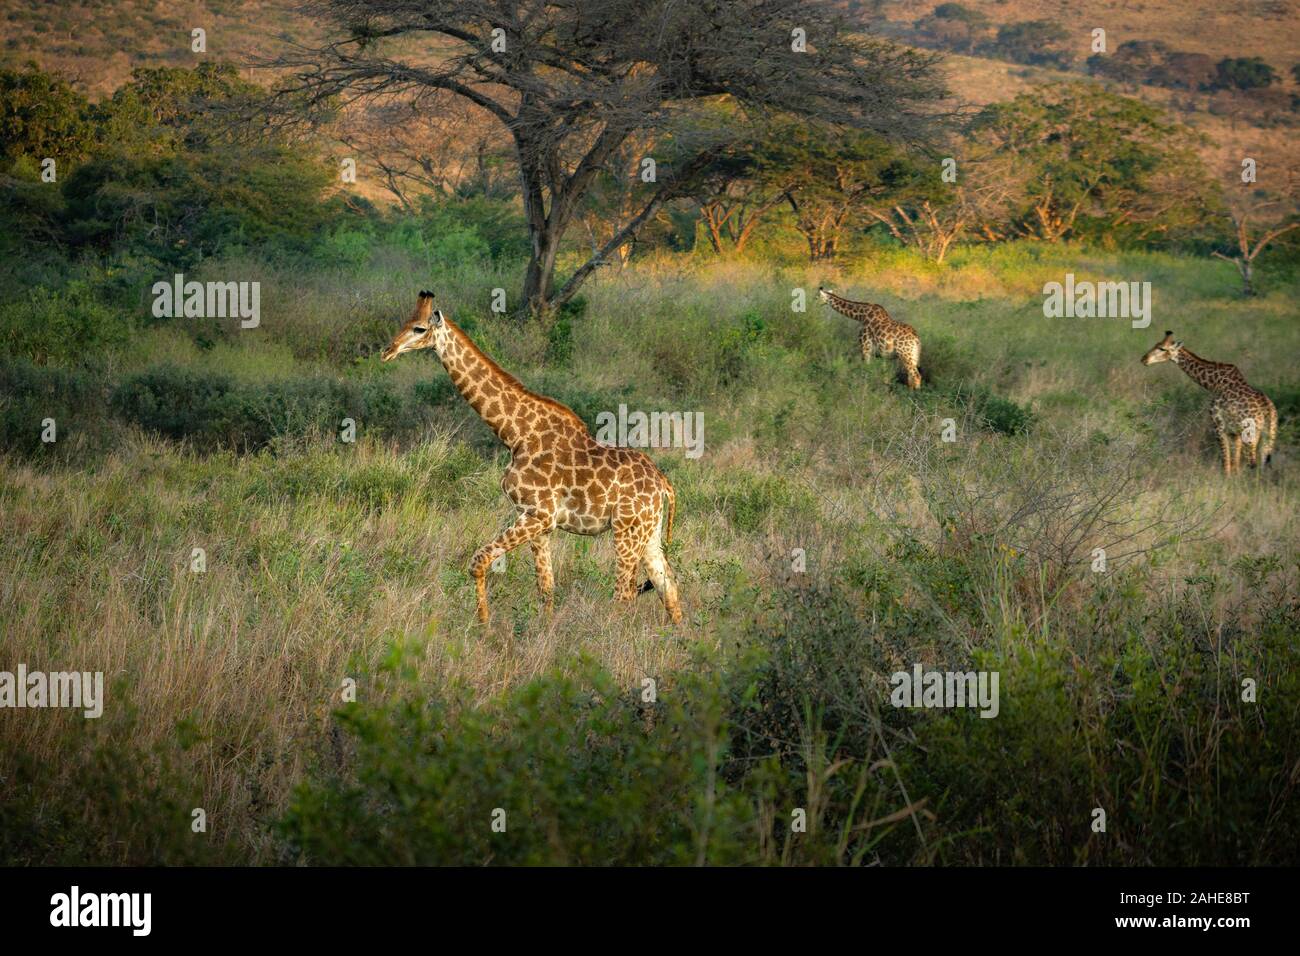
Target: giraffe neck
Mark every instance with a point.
(496, 395)
(1204, 373)
(857, 311)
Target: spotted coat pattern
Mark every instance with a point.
(1244, 417)
(559, 475)
(880, 333)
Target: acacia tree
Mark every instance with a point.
(733, 200)
(1081, 153)
(1259, 217)
(572, 80)
(931, 223)
(830, 176)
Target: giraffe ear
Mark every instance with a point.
(437, 316)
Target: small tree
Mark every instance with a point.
(955, 27)
(828, 177)
(1243, 73)
(1035, 42)
(735, 196)
(937, 214)
(1132, 62)
(42, 116)
(1259, 218)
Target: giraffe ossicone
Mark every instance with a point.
(559, 475)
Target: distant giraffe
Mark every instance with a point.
(1242, 415)
(880, 333)
(559, 476)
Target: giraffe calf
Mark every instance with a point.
(881, 333)
(559, 476)
(1244, 417)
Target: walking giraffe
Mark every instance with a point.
(559, 476)
(880, 333)
(1242, 415)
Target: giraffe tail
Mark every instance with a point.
(671, 495)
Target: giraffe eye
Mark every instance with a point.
(419, 331)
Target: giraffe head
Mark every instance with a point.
(424, 329)
(824, 293)
(1166, 350)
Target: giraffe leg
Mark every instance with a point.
(545, 576)
(526, 527)
(1226, 447)
(914, 366)
(661, 575)
(1252, 453)
(630, 539)
(1252, 433)
(1236, 452)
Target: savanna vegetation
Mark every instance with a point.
(321, 689)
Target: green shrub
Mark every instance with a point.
(29, 394)
(749, 500)
(214, 411)
(577, 771)
(182, 208)
(990, 411)
(141, 813)
(559, 336)
(67, 326)
(435, 391)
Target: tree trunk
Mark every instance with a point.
(713, 224)
(540, 274)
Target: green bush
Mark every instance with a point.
(577, 771)
(990, 411)
(182, 208)
(214, 411)
(67, 326)
(30, 393)
(749, 500)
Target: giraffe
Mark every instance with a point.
(880, 333)
(559, 476)
(1242, 415)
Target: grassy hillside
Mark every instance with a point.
(100, 43)
(1264, 29)
(328, 561)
